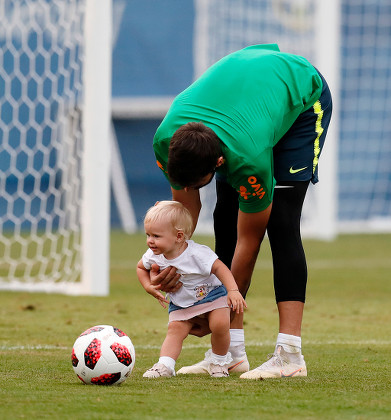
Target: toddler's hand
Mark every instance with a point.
(157, 294)
(236, 301)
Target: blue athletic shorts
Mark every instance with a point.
(296, 155)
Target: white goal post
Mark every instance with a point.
(55, 106)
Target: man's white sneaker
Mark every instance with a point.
(159, 370)
(278, 366)
(218, 371)
(238, 364)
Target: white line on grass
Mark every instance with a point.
(312, 264)
(272, 343)
(28, 347)
(205, 346)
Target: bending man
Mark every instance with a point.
(258, 119)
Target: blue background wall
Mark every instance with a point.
(152, 56)
(152, 47)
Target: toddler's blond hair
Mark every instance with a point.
(173, 212)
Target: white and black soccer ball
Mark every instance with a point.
(103, 355)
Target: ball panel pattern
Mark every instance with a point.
(119, 332)
(75, 360)
(92, 330)
(93, 353)
(106, 379)
(122, 353)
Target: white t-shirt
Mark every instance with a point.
(194, 265)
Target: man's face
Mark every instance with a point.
(207, 179)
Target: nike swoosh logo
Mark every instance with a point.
(293, 171)
(235, 365)
(291, 374)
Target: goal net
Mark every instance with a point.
(350, 43)
(364, 202)
(52, 221)
(223, 26)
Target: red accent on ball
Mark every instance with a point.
(107, 379)
(122, 353)
(93, 353)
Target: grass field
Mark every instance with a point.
(346, 343)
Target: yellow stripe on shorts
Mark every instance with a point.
(319, 130)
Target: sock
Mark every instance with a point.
(167, 361)
(236, 346)
(291, 345)
(220, 360)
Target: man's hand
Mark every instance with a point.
(200, 327)
(166, 280)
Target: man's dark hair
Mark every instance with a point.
(193, 154)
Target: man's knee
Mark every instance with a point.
(289, 263)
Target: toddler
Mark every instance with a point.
(208, 287)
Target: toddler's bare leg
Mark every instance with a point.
(219, 324)
(176, 333)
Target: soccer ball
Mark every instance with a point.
(103, 355)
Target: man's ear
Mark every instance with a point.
(220, 161)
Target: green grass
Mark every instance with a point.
(346, 343)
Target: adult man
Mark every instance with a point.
(258, 117)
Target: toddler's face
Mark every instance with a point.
(162, 238)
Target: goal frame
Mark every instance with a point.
(96, 162)
(93, 278)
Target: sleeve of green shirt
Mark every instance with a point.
(253, 179)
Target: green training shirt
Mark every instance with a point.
(250, 99)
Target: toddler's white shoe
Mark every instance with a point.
(218, 371)
(159, 370)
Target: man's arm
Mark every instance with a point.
(191, 200)
(251, 230)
